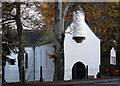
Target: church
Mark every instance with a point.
(82, 60)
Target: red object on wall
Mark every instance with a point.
(52, 56)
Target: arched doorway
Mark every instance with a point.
(78, 71)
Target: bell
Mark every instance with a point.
(79, 39)
(78, 35)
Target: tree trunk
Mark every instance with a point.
(59, 30)
(59, 42)
(21, 44)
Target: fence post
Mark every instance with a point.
(41, 79)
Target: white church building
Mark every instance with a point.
(81, 59)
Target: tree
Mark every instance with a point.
(10, 18)
(58, 29)
(19, 15)
(21, 43)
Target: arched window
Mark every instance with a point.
(26, 60)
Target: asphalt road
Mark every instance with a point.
(96, 84)
(100, 84)
(103, 82)
(90, 83)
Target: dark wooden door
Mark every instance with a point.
(78, 71)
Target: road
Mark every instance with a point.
(100, 84)
(92, 84)
(107, 82)
(103, 82)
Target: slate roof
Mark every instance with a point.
(36, 37)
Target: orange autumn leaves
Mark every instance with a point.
(47, 12)
(99, 16)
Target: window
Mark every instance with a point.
(26, 60)
(11, 61)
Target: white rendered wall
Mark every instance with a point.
(87, 52)
(29, 73)
(42, 59)
(12, 71)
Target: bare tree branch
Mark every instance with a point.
(65, 9)
(4, 23)
(7, 19)
(26, 25)
(67, 23)
(8, 14)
